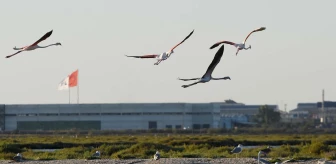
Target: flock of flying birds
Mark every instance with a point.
(165, 55)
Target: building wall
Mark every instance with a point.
(330, 114)
(110, 116)
(114, 116)
(236, 109)
(58, 125)
(2, 117)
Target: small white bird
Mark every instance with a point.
(34, 45)
(267, 150)
(163, 56)
(207, 76)
(237, 149)
(18, 157)
(239, 46)
(97, 154)
(157, 155)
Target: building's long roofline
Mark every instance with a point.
(151, 103)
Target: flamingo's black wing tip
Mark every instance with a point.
(221, 48)
(213, 46)
(190, 33)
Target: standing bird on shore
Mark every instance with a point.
(237, 150)
(34, 45)
(163, 56)
(266, 151)
(96, 155)
(239, 46)
(18, 157)
(207, 76)
(157, 155)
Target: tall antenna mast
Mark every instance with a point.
(323, 111)
(286, 108)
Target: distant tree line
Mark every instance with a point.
(267, 116)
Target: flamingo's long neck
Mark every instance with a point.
(169, 53)
(246, 48)
(47, 45)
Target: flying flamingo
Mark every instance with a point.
(239, 46)
(34, 45)
(207, 76)
(164, 55)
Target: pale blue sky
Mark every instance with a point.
(290, 62)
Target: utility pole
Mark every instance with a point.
(286, 108)
(323, 110)
(286, 114)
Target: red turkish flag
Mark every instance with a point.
(73, 79)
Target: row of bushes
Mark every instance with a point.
(173, 146)
(146, 150)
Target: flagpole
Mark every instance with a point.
(78, 87)
(69, 95)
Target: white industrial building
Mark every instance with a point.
(121, 116)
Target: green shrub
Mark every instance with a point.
(107, 150)
(10, 148)
(126, 146)
(191, 155)
(318, 147)
(283, 151)
(7, 156)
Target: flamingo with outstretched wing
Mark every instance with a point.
(34, 45)
(163, 56)
(207, 76)
(239, 46)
